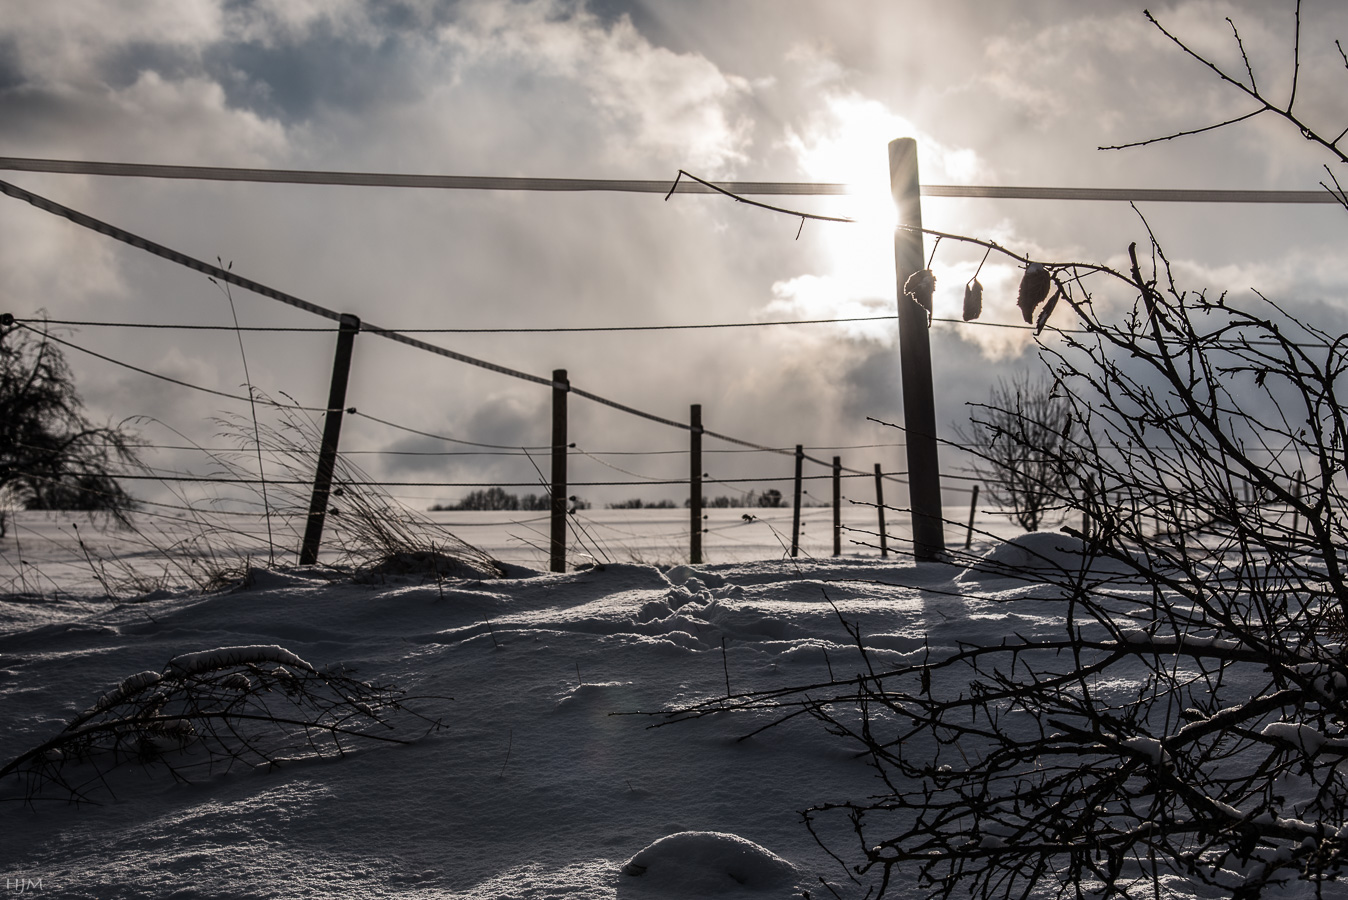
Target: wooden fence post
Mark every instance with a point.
(1085, 509)
(973, 508)
(837, 506)
(695, 483)
(919, 404)
(332, 432)
(795, 506)
(880, 508)
(560, 388)
(1296, 501)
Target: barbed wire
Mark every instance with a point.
(228, 276)
(159, 375)
(355, 411)
(347, 482)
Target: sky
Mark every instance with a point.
(757, 90)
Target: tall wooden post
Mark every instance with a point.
(837, 506)
(560, 388)
(919, 405)
(795, 505)
(880, 508)
(332, 432)
(695, 483)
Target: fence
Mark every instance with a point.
(924, 482)
(349, 326)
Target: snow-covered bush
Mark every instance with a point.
(207, 713)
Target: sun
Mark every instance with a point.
(847, 141)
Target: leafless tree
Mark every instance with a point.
(1016, 439)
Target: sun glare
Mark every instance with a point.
(848, 142)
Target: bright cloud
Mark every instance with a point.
(646, 99)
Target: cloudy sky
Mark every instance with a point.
(757, 90)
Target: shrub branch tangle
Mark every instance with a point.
(207, 713)
(1187, 723)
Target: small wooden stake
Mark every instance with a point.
(1296, 498)
(560, 388)
(973, 508)
(837, 506)
(880, 509)
(1085, 511)
(695, 484)
(725, 664)
(795, 513)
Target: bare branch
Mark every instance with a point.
(1187, 133)
(1250, 90)
(1249, 69)
(790, 212)
(1296, 59)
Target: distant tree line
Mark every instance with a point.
(496, 498)
(770, 498)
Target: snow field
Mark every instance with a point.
(545, 782)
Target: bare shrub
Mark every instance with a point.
(1187, 720)
(208, 713)
(1016, 439)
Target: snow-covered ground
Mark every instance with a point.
(535, 788)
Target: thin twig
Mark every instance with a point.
(731, 194)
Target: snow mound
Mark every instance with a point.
(425, 564)
(705, 863)
(1042, 556)
(590, 693)
(685, 574)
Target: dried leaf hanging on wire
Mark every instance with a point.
(920, 286)
(1047, 311)
(973, 299)
(1034, 287)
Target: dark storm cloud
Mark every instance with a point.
(292, 79)
(11, 73)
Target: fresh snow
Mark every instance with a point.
(549, 779)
